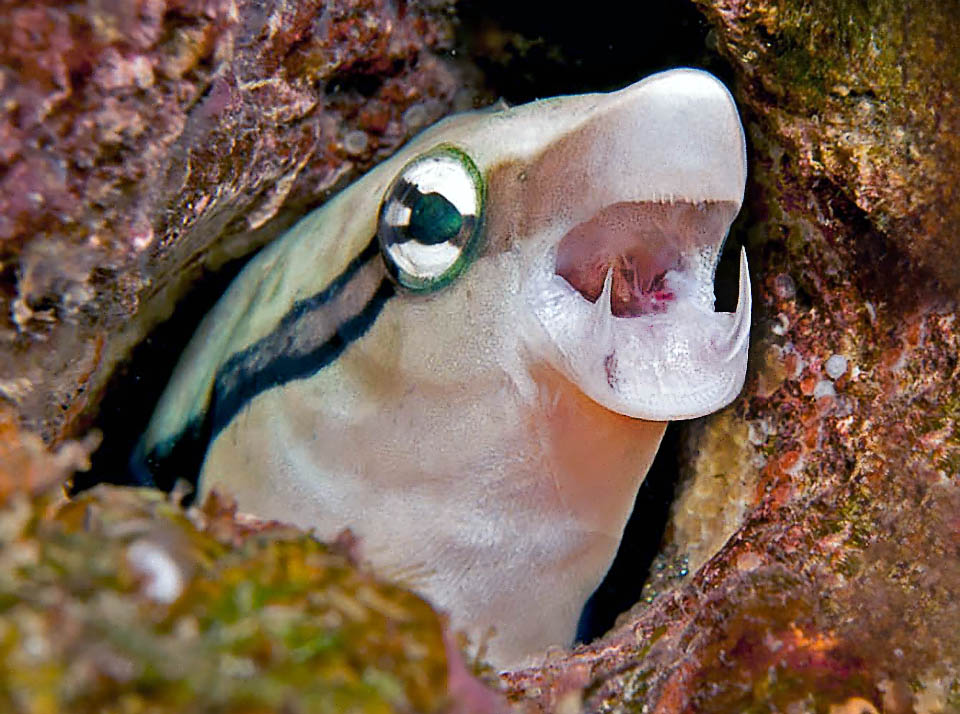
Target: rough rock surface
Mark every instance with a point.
(141, 141)
(862, 95)
(835, 475)
(816, 534)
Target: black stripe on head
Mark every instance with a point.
(238, 383)
(310, 336)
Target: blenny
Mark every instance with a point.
(468, 357)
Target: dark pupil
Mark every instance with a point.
(434, 219)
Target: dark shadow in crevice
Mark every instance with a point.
(533, 50)
(135, 388)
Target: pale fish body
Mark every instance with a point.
(444, 376)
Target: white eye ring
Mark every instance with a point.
(430, 219)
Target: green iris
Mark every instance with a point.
(434, 220)
(430, 222)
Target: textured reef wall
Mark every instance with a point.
(817, 520)
(141, 141)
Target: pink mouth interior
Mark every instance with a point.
(642, 241)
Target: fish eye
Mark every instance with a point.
(430, 219)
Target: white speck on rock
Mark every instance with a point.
(824, 388)
(36, 647)
(163, 579)
(355, 142)
(142, 71)
(784, 287)
(781, 326)
(415, 116)
(239, 667)
(836, 366)
(758, 431)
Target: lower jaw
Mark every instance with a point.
(681, 361)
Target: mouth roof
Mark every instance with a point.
(639, 243)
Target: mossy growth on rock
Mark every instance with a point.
(122, 601)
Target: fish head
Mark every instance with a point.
(594, 225)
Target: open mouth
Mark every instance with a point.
(645, 247)
(626, 300)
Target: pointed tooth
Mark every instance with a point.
(602, 311)
(604, 305)
(740, 330)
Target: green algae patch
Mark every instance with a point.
(125, 602)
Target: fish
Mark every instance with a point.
(468, 357)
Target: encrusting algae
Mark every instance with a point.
(122, 601)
